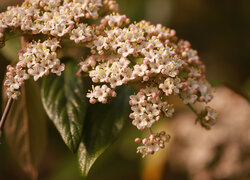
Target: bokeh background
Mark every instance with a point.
(220, 31)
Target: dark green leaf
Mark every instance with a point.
(64, 102)
(25, 128)
(102, 125)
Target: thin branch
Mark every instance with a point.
(5, 113)
(150, 131)
(191, 107)
(199, 118)
(13, 37)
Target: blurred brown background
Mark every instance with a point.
(220, 31)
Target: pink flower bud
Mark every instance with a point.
(131, 116)
(106, 47)
(78, 74)
(127, 21)
(53, 48)
(150, 98)
(95, 80)
(92, 101)
(114, 94)
(145, 78)
(151, 137)
(157, 139)
(146, 61)
(207, 118)
(144, 141)
(84, 68)
(137, 140)
(154, 95)
(93, 51)
(202, 98)
(164, 71)
(101, 52)
(165, 103)
(104, 101)
(163, 133)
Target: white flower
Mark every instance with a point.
(125, 50)
(168, 110)
(100, 94)
(168, 86)
(137, 99)
(59, 30)
(77, 35)
(155, 67)
(152, 110)
(139, 122)
(138, 110)
(58, 68)
(21, 75)
(37, 71)
(188, 98)
(100, 43)
(115, 81)
(12, 83)
(30, 60)
(139, 70)
(13, 94)
(211, 113)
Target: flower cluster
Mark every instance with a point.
(37, 60)
(147, 106)
(55, 17)
(59, 18)
(208, 117)
(152, 56)
(153, 143)
(101, 94)
(145, 56)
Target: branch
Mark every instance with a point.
(5, 114)
(199, 118)
(194, 111)
(13, 37)
(10, 101)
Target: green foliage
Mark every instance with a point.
(25, 129)
(65, 104)
(102, 125)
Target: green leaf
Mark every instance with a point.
(102, 125)
(25, 128)
(64, 101)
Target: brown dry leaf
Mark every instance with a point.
(25, 129)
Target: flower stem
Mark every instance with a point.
(5, 114)
(13, 37)
(195, 112)
(199, 118)
(150, 131)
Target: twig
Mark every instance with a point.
(150, 131)
(5, 113)
(13, 37)
(191, 107)
(199, 118)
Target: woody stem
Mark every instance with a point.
(5, 113)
